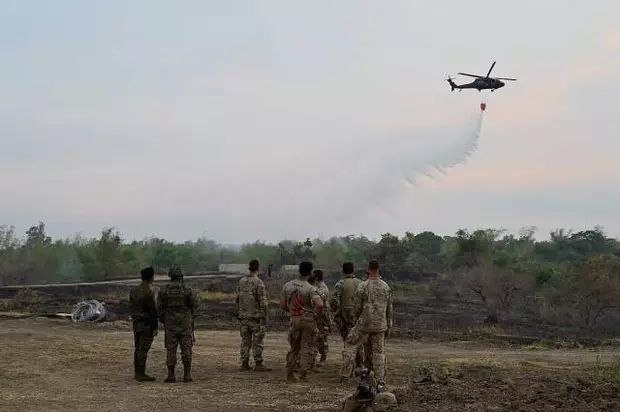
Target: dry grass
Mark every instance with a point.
(8, 305)
(216, 296)
(606, 371)
(27, 297)
(486, 330)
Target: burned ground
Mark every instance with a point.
(416, 313)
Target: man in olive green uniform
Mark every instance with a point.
(252, 312)
(303, 303)
(323, 322)
(177, 306)
(342, 305)
(373, 310)
(144, 316)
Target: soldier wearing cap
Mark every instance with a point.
(177, 305)
(342, 304)
(144, 318)
(373, 311)
(252, 312)
(303, 303)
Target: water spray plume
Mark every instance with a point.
(453, 154)
(373, 175)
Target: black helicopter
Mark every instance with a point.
(481, 82)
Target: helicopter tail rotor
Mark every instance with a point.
(452, 84)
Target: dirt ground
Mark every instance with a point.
(53, 365)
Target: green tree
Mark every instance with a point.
(9, 259)
(161, 254)
(265, 253)
(37, 260)
(36, 237)
(330, 254)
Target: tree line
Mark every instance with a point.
(569, 276)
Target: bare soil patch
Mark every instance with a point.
(53, 365)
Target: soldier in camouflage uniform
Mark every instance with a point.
(342, 305)
(177, 305)
(303, 303)
(373, 310)
(323, 322)
(144, 316)
(252, 312)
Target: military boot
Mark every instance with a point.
(141, 376)
(260, 367)
(245, 366)
(187, 372)
(171, 377)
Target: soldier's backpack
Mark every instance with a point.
(347, 299)
(177, 298)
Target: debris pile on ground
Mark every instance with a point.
(89, 311)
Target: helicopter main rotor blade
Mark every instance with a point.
(489, 73)
(505, 78)
(471, 75)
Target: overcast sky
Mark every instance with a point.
(245, 120)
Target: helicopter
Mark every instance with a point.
(481, 82)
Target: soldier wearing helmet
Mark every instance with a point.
(177, 305)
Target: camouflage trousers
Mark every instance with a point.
(252, 338)
(173, 341)
(373, 345)
(142, 342)
(323, 324)
(301, 338)
(322, 347)
(344, 328)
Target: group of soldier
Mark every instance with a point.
(361, 311)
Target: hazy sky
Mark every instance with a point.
(244, 120)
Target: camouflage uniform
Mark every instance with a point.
(144, 316)
(342, 304)
(252, 310)
(373, 309)
(324, 322)
(298, 297)
(177, 305)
